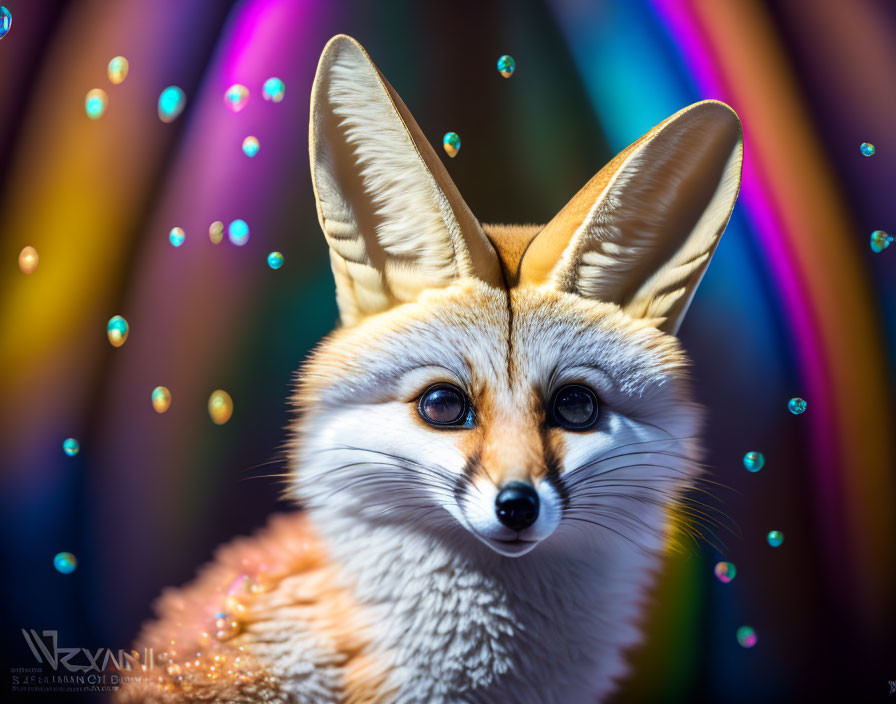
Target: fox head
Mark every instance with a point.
(515, 385)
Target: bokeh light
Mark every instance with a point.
(797, 405)
(275, 260)
(5, 21)
(754, 461)
(238, 232)
(725, 571)
(71, 447)
(117, 330)
(117, 70)
(95, 103)
(176, 236)
(880, 240)
(236, 97)
(172, 102)
(161, 399)
(250, 146)
(451, 143)
(65, 562)
(506, 66)
(747, 637)
(216, 232)
(220, 406)
(274, 90)
(28, 260)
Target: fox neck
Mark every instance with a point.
(454, 619)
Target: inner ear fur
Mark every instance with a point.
(394, 220)
(641, 233)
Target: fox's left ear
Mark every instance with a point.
(395, 222)
(641, 233)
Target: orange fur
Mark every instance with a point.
(510, 243)
(280, 574)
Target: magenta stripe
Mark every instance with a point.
(763, 213)
(188, 306)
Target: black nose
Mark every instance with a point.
(517, 505)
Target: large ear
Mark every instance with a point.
(642, 231)
(395, 223)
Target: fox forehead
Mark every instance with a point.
(506, 348)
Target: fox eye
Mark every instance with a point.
(444, 404)
(574, 407)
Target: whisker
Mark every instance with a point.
(573, 479)
(401, 459)
(655, 440)
(264, 464)
(591, 464)
(712, 515)
(591, 521)
(690, 517)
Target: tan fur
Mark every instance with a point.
(510, 242)
(510, 446)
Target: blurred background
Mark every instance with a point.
(796, 303)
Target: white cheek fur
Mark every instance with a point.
(618, 434)
(376, 454)
(625, 476)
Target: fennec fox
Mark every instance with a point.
(493, 447)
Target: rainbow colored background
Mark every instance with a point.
(794, 304)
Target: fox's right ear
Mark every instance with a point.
(395, 222)
(641, 233)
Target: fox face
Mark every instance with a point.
(514, 417)
(515, 387)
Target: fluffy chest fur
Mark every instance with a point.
(478, 627)
(388, 616)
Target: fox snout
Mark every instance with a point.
(512, 517)
(509, 503)
(513, 458)
(507, 500)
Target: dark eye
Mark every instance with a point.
(574, 407)
(443, 404)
